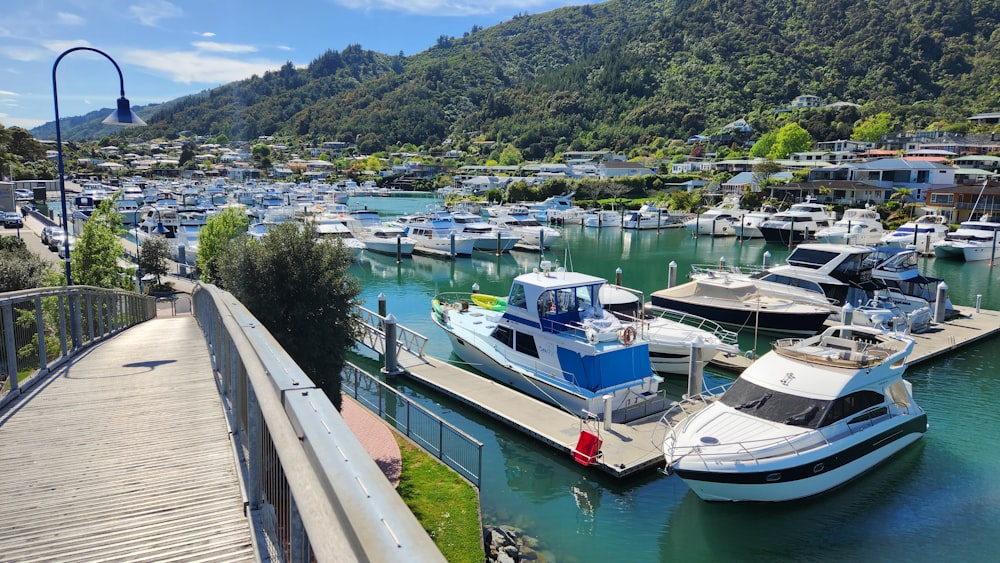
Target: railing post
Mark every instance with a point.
(254, 439)
(62, 323)
(391, 364)
(8, 343)
(43, 361)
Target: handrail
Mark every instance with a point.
(313, 491)
(36, 328)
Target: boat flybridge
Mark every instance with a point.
(806, 417)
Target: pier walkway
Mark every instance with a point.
(124, 453)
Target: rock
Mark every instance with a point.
(504, 558)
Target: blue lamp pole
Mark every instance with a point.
(123, 115)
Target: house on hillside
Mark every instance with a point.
(964, 202)
(619, 168)
(889, 173)
(805, 101)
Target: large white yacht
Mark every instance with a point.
(805, 418)
(718, 221)
(972, 241)
(798, 223)
(921, 233)
(857, 226)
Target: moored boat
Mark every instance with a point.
(554, 341)
(808, 416)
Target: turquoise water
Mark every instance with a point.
(937, 500)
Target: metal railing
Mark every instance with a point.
(314, 493)
(458, 450)
(40, 329)
(374, 334)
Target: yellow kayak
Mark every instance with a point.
(490, 302)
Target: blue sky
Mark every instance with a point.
(170, 48)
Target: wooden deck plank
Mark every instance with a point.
(124, 455)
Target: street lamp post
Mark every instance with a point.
(123, 115)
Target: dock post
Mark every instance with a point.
(182, 260)
(541, 239)
(381, 309)
(847, 314)
(722, 263)
(939, 304)
(391, 364)
(399, 248)
(499, 248)
(767, 259)
(979, 301)
(452, 237)
(695, 374)
(618, 276)
(671, 274)
(608, 410)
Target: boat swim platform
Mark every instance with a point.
(970, 327)
(124, 454)
(627, 448)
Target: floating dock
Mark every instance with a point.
(630, 448)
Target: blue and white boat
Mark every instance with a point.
(550, 338)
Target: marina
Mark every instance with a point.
(572, 509)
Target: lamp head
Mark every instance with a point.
(160, 229)
(124, 115)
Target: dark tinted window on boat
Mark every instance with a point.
(852, 404)
(810, 258)
(526, 344)
(774, 405)
(504, 335)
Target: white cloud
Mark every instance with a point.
(24, 123)
(455, 7)
(150, 12)
(189, 67)
(65, 18)
(58, 46)
(24, 54)
(283, 48)
(214, 47)
(207, 34)
(7, 93)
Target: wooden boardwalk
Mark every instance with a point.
(124, 455)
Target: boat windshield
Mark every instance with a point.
(774, 405)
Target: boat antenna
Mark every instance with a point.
(567, 260)
(972, 214)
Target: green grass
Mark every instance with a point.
(445, 504)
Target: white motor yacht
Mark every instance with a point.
(602, 218)
(528, 229)
(808, 416)
(718, 221)
(749, 225)
(972, 241)
(857, 226)
(798, 223)
(921, 233)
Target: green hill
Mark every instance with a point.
(622, 73)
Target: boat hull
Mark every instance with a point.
(785, 236)
(808, 475)
(968, 253)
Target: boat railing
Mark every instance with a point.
(724, 335)
(374, 335)
(720, 270)
(679, 411)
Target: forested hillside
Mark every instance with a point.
(625, 72)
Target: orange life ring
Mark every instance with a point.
(628, 335)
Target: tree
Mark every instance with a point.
(872, 128)
(154, 257)
(763, 146)
(301, 290)
(96, 252)
(763, 170)
(19, 267)
(791, 138)
(905, 197)
(213, 238)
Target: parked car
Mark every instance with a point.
(56, 241)
(12, 220)
(49, 231)
(62, 247)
